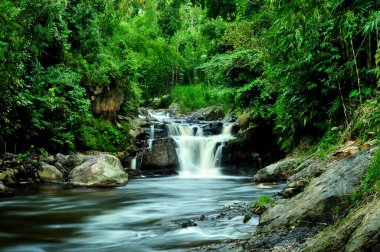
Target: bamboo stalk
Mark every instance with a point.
(357, 70)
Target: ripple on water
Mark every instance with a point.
(142, 216)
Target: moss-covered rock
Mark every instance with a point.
(358, 231)
(49, 173)
(5, 191)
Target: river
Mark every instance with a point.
(144, 215)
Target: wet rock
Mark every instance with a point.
(277, 172)
(216, 128)
(5, 191)
(161, 155)
(49, 173)
(133, 174)
(247, 217)
(189, 223)
(254, 147)
(261, 208)
(102, 170)
(314, 204)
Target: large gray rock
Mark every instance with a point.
(277, 172)
(174, 108)
(102, 170)
(211, 113)
(49, 173)
(5, 191)
(162, 155)
(314, 204)
(358, 231)
(71, 161)
(306, 171)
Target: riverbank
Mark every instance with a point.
(320, 209)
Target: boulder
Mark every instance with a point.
(306, 171)
(71, 161)
(162, 155)
(314, 204)
(211, 113)
(358, 231)
(277, 172)
(49, 173)
(5, 191)
(174, 108)
(8, 177)
(102, 170)
(216, 128)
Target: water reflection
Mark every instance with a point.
(138, 217)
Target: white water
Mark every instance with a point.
(198, 154)
(151, 136)
(133, 163)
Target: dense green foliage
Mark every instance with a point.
(191, 98)
(304, 66)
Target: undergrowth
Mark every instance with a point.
(193, 97)
(101, 135)
(370, 183)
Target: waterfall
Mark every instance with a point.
(197, 153)
(134, 163)
(151, 136)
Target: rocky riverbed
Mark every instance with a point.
(314, 212)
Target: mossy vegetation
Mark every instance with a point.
(193, 97)
(98, 134)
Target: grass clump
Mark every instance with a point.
(262, 201)
(370, 183)
(261, 205)
(193, 97)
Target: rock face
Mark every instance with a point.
(359, 231)
(102, 170)
(209, 114)
(161, 156)
(314, 204)
(277, 172)
(174, 108)
(49, 173)
(5, 191)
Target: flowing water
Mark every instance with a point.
(199, 154)
(145, 215)
(142, 216)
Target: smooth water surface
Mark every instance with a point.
(142, 216)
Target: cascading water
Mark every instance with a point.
(198, 154)
(151, 136)
(134, 163)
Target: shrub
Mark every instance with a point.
(101, 135)
(198, 96)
